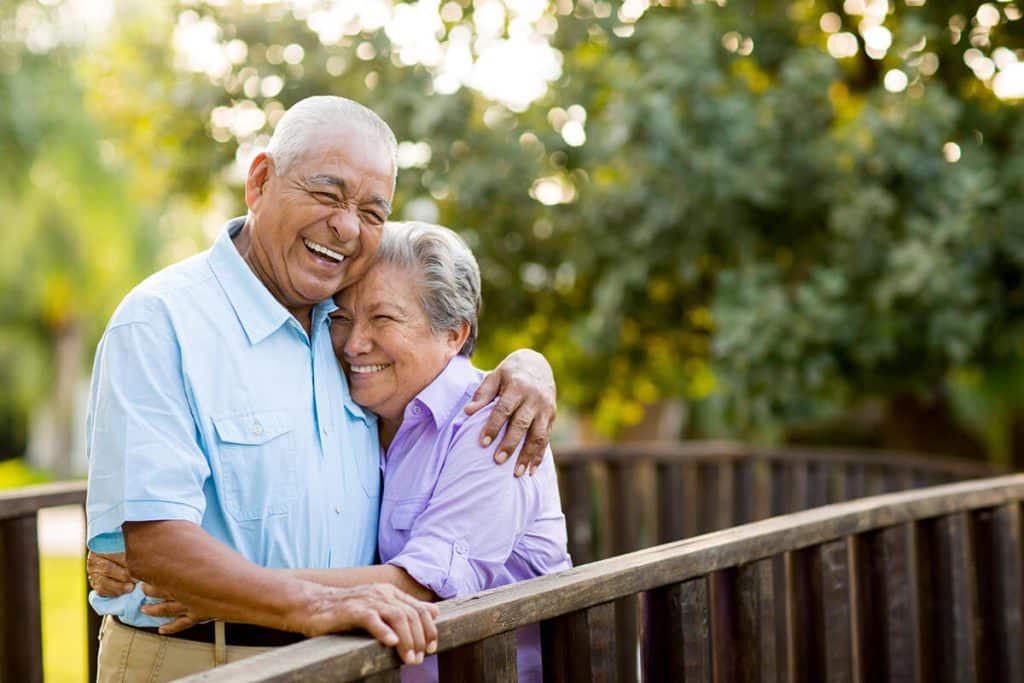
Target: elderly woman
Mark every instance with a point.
(404, 335)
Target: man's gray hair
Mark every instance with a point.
(449, 277)
(303, 125)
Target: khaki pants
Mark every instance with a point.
(128, 655)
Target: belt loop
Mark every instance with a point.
(220, 644)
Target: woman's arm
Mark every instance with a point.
(353, 576)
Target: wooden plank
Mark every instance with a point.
(726, 513)
(576, 506)
(906, 634)
(475, 617)
(830, 563)
(777, 484)
(694, 606)
(580, 646)
(663, 645)
(856, 482)
(27, 500)
(1005, 573)
(490, 660)
(670, 502)
(804, 613)
(745, 480)
(21, 632)
(743, 623)
(708, 499)
(817, 485)
(691, 500)
(867, 593)
(625, 511)
(392, 676)
(957, 574)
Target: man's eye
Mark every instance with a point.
(373, 217)
(326, 197)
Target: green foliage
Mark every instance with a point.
(750, 220)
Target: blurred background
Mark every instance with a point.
(773, 221)
(776, 221)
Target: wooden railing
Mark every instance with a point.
(617, 499)
(924, 585)
(21, 632)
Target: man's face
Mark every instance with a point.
(315, 228)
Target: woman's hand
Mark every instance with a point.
(108, 574)
(526, 386)
(181, 616)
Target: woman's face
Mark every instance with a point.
(383, 339)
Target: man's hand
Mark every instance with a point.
(390, 615)
(526, 386)
(108, 574)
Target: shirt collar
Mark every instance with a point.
(448, 390)
(259, 312)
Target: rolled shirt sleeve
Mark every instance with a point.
(462, 536)
(145, 462)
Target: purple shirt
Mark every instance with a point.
(457, 522)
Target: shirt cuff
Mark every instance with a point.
(440, 565)
(105, 534)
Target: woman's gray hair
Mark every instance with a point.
(449, 277)
(303, 125)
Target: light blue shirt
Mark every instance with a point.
(210, 404)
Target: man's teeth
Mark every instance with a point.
(320, 249)
(367, 369)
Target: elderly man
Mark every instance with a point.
(223, 440)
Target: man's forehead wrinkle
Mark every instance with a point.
(326, 179)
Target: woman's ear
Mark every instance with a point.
(456, 339)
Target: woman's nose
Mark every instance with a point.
(358, 341)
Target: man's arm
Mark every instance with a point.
(229, 587)
(526, 389)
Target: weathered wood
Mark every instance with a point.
(670, 502)
(817, 485)
(830, 563)
(576, 506)
(709, 496)
(664, 629)
(804, 613)
(745, 480)
(856, 481)
(960, 630)
(491, 659)
(694, 607)
(480, 616)
(21, 632)
(625, 512)
(580, 646)
(28, 500)
(691, 501)
(743, 623)
(725, 515)
(906, 635)
(1005, 573)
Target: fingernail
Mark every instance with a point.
(432, 647)
(500, 457)
(520, 468)
(486, 441)
(410, 656)
(419, 658)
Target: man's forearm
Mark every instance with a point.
(212, 579)
(354, 576)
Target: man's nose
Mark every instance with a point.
(345, 223)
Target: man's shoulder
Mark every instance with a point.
(179, 285)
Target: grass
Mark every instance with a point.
(63, 595)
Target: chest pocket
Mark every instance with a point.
(257, 456)
(405, 513)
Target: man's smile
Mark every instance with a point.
(323, 251)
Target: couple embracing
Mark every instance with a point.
(287, 437)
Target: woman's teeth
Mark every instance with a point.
(324, 251)
(368, 369)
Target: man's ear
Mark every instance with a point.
(260, 171)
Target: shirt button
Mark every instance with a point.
(461, 549)
(257, 429)
(415, 410)
(337, 509)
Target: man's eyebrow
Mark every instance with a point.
(327, 179)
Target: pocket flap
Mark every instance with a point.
(252, 428)
(403, 515)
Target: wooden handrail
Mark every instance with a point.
(28, 500)
(485, 615)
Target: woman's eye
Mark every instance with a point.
(340, 320)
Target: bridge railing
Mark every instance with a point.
(617, 499)
(920, 585)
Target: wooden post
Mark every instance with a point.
(580, 646)
(21, 631)
(490, 660)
